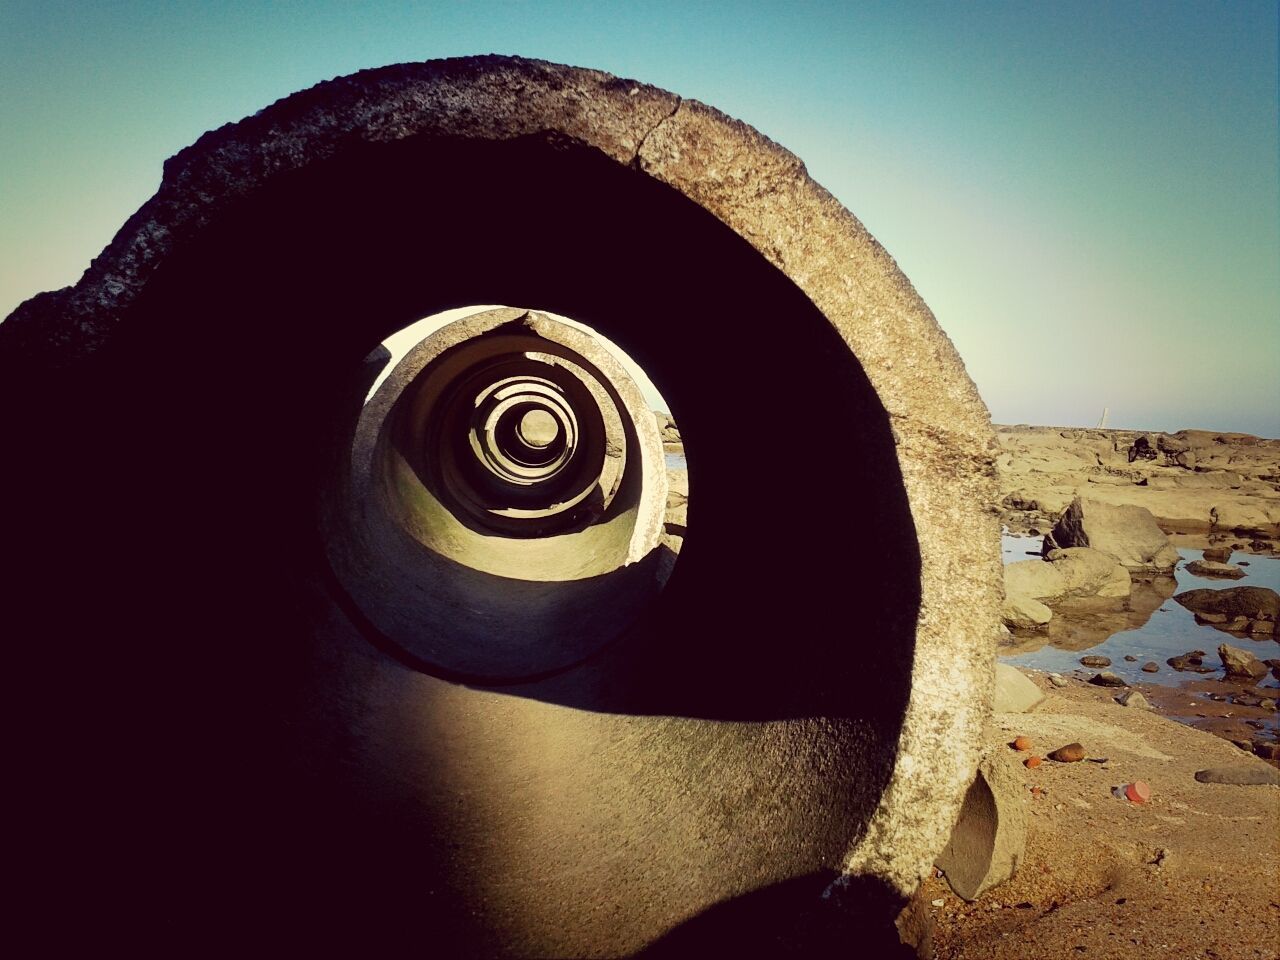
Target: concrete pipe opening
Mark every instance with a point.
(332, 613)
(501, 515)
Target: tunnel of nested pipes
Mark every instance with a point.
(501, 517)
(797, 589)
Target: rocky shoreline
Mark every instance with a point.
(1111, 509)
(1212, 488)
(1130, 817)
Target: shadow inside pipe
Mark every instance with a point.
(813, 915)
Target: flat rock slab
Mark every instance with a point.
(1252, 603)
(1251, 775)
(1210, 568)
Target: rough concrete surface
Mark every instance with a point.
(989, 839)
(1126, 531)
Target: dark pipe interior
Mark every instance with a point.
(179, 496)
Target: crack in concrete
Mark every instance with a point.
(635, 157)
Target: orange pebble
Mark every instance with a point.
(1031, 762)
(1022, 743)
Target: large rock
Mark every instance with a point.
(1024, 613)
(1067, 574)
(1034, 578)
(1177, 452)
(1126, 532)
(1090, 573)
(1014, 693)
(1142, 449)
(1239, 609)
(1246, 515)
(667, 427)
(1241, 663)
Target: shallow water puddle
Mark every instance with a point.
(1170, 631)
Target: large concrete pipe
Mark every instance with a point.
(410, 668)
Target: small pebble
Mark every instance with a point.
(1022, 743)
(1107, 679)
(1032, 762)
(1057, 679)
(1068, 754)
(1132, 698)
(1095, 661)
(937, 903)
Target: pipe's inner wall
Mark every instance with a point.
(485, 554)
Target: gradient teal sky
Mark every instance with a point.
(1086, 194)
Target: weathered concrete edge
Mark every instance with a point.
(946, 451)
(485, 98)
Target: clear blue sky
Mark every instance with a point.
(1086, 194)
